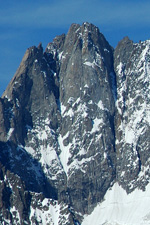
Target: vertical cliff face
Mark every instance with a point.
(132, 63)
(87, 115)
(73, 121)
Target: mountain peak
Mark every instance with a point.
(74, 131)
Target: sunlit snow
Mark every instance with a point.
(65, 154)
(48, 216)
(96, 125)
(120, 208)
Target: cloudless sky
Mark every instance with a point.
(27, 23)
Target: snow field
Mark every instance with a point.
(120, 208)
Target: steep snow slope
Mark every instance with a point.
(120, 208)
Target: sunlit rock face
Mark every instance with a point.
(74, 120)
(132, 67)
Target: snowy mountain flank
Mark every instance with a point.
(74, 133)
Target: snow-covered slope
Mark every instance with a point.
(120, 208)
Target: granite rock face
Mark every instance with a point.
(73, 121)
(132, 67)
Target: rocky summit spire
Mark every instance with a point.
(74, 122)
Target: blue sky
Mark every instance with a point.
(26, 23)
